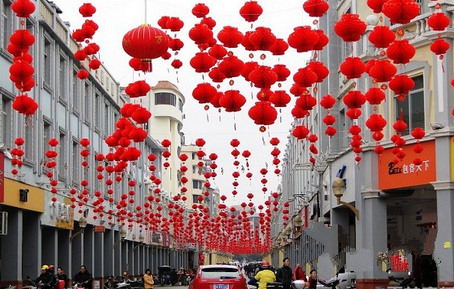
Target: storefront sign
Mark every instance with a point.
(99, 229)
(404, 173)
(2, 176)
(35, 196)
(58, 214)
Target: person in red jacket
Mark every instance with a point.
(298, 273)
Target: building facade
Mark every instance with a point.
(42, 231)
(403, 208)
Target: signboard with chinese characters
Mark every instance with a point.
(58, 214)
(404, 173)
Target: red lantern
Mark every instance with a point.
(175, 44)
(231, 66)
(23, 8)
(400, 126)
(418, 133)
(303, 38)
(248, 68)
(281, 71)
(376, 5)
(262, 38)
(300, 132)
(200, 33)
(251, 11)
(145, 42)
(352, 67)
(218, 51)
(376, 122)
(204, 92)
(400, 51)
(401, 11)
(87, 10)
(401, 85)
(350, 27)
(200, 10)
(279, 47)
(382, 70)
(320, 69)
(306, 102)
(232, 100)
(438, 21)
(354, 99)
(82, 74)
(263, 113)
(323, 40)
(22, 39)
(174, 24)
(305, 77)
(327, 101)
(315, 8)
(216, 75)
(202, 62)
(230, 36)
(280, 98)
(439, 47)
(208, 21)
(375, 95)
(263, 77)
(381, 36)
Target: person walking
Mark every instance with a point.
(285, 274)
(148, 281)
(83, 278)
(265, 276)
(298, 273)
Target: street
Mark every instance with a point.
(183, 287)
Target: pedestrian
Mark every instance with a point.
(313, 279)
(298, 273)
(61, 279)
(265, 276)
(83, 278)
(148, 281)
(285, 274)
(45, 279)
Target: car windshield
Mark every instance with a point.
(220, 273)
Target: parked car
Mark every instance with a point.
(218, 277)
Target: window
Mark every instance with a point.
(412, 107)
(62, 155)
(47, 61)
(6, 121)
(62, 78)
(196, 184)
(76, 92)
(47, 135)
(165, 98)
(97, 111)
(75, 162)
(87, 103)
(180, 105)
(106, 119)
(7, 23)
(194, 199)
(220, 273)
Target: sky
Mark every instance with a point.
(116, 17)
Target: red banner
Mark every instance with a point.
(2, 177)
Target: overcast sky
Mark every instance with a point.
(116, 17)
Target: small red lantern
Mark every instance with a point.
(303, 38)
(200, 10)
(251, 11)
(230, 36)
(400, 51)
(382, 70)
(376, 5)
(350, 27)
(438, 21)
(439, 47)
(263, 113)
(232, 100)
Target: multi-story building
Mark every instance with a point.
(166, 105)
(41, 231)
(402, 208)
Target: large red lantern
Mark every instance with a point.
(145, 42)
(204, 92)
(200, 10)
(23, 8)
(262, 38)
(350, 27)
(320, 69)
(401, 85)
(375, 95)
(281, 71)
(401, 11)
(382, 70)
(231, 66)
(200, 34)
(230, 36)
(438, 21)
(174, 24)
(376, 5)
(202, 62)
(354, 99)
(279, 47)
(439, 47)
(305, 77)
(280, 98)
(376, 122)
(263, 77)
(87, 10)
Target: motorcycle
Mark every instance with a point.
(401, 279)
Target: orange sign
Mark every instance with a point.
(405, 173)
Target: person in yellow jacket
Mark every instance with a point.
(148, 281)
(265, 276)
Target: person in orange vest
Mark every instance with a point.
(298, 273)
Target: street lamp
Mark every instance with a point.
(82, 225)
(122, 237)
(339, 187)
(141, 239)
